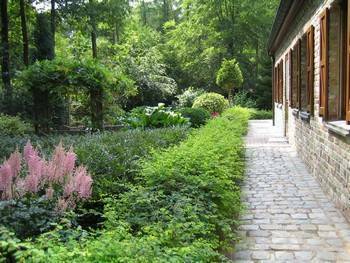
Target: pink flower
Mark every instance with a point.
(215, 114)
(69, 188)
(69, 162)
(15, 162)
(82, 182)
(6, 180)
(29, 151)
(36, 167)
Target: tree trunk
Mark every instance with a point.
(230, 96)
(25, 39)
(53, 24)
(257, 61)
(94, 44)
(5, 66)
(143, 13)
(96, 100)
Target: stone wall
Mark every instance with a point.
(326, 154)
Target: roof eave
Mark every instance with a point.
(287, 11)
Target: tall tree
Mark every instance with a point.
(53, 23)
(24, 27)
(5, 48)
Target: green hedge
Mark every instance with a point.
(184, 209)
(260, 114)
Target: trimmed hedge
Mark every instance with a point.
(184, 209)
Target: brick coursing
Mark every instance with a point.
(327, 155)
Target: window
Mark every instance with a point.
(278, 83)
(333, 65)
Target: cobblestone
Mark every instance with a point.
(288, 217)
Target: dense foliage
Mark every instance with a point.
(212, 102)
(13, 126)
(155, 117)
(184, 207)
(197, 116)
(187, 98)
(229, 76)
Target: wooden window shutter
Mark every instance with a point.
(310, 69)
(298, 75)
(280, 82)
(324, 78)
(275, 84)
(291, 104)
(348, 68)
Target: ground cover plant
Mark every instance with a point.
(183, 208)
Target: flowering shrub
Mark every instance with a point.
(58, 179)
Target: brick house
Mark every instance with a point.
(310, 47)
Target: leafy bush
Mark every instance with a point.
(197, 117)
(114, 158)
(187, 98)
(260, 114)
(242, 99)
(185, 208)
(229, 76)
(9, 245)
(212, 102)
(13, 126)
(154, 117)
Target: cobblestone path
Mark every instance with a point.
(288, 218)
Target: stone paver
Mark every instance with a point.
(288, 218)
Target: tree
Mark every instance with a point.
(5, 48)
(229, 76)
(24, 27)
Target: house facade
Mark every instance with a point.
(310, 48)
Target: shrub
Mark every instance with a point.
(184, 210)
(242, 99)
(37, 190)
(13, 126)
(197, 117)
(260, 114)
(211, 102)
(187, 98)
(229, 76)
(154, 117)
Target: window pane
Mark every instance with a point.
(335, 46)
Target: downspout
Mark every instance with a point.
(273, 90)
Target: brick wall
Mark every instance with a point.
(327, 155)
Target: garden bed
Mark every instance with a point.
(182, 205)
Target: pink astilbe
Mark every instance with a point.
(58, 179)
(15, 162)
(82, 182)
(56, 167)
(6, 181)
(36, 168)
(69, 161)
(29, 151)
